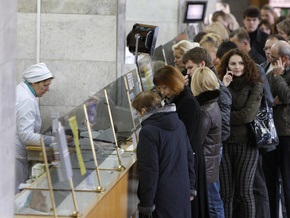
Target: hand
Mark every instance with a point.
(69, 139)
(278, 67)
(186, 78)
(228, 78)
(191, 198)
(276, 101)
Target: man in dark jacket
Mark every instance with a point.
(279, 80)
(251, 20)
(199, 57)
(269, 158)
(242, 39)
(267, 66)
(194, 59)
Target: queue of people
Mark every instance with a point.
(218, 90)
(196, 154)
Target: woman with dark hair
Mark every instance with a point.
(171, 84)
(165, 160)
(240, 154)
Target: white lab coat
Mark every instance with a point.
(28, 124)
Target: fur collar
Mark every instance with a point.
(207, 96)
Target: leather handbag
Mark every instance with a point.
(264, 128)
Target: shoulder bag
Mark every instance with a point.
(264, 128)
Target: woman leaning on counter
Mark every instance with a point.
(165, 160)
(37, 79)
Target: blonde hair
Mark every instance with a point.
(228, 18)
(219, 29)
(184, 46)
(212, 40)
(203, 79)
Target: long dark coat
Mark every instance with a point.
(165, 165)
(188, 110)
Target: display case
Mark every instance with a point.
(95, 176)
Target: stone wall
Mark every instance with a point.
(161, 13)
(82, 43)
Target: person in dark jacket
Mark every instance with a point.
(279, 80)
(269, 160)
(199, 57)
(251, 20)
(171, 85)
(165, 160)
(240, 155)
(259, 187)
(267, 66)
(243, 41)
(205, 86)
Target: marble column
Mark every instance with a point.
(7, 104)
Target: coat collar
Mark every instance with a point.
(208, 96)
(166, 108)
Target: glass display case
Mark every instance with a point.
(102, 154)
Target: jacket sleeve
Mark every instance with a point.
(266, 86)
(204, 125)
(191, 172)
(282, 89)
(225, 103)
(250, 110)
(25, 124)
(148, 167)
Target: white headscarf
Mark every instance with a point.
(37, 73)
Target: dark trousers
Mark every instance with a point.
(274, 161)
(261, 192)
(237, 173)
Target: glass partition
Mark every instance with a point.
(146, 73)
(168, 52)
(104, 122)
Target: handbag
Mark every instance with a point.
(264, 128)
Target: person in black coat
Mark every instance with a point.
(199, 57)
(171, 85)
(251, 20)
(165, 160)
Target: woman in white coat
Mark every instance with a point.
(37, 79)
